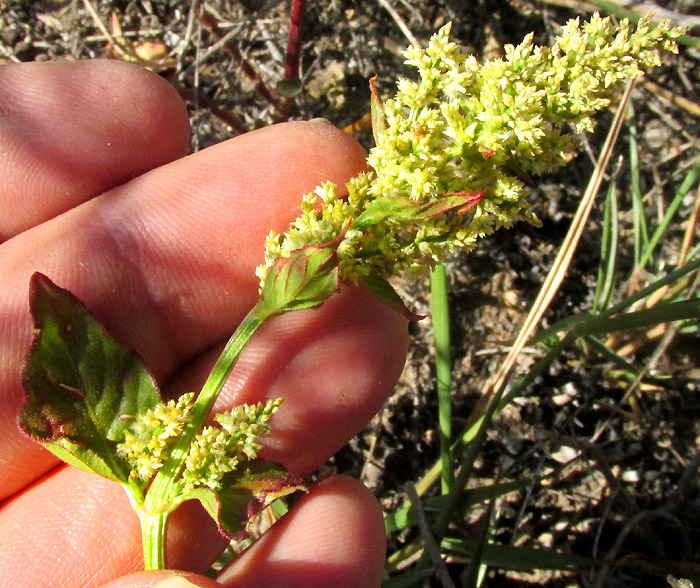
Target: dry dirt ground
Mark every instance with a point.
(610, 478)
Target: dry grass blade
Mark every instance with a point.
(399, 22)
(692, 107)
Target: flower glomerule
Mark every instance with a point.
(151, 435)
(221, 468)
(216, 451)
(470, 129)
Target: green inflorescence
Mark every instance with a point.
(456, 140)
(217, 451)
(149, 439)
(214, 452)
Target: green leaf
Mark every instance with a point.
(243, 493)
(288, 88)
(404, 209)
(80, 383)
(383, 290)
(305, 279)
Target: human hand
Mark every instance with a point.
(97, 196)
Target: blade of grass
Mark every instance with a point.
(639, 219)
(521, 558)
(608, 252)
(572, 321)
(690, 179)
(466, 466)
(477, 569)
(405, 517)
(453, 499)
(431, 546)
(443, 368)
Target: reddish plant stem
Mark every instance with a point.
(293, 57)
(245, 66)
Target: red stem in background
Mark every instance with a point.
(293, 57)
(291, 65)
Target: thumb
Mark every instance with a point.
(163, 579)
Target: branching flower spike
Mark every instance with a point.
(450, 146)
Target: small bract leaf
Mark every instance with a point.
(305, 279)
(243, 493)
(383, 290)
(404, 209)
(377, 113)
(80, 384)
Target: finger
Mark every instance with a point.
(163, 579)
(334, 537)
(70, 131)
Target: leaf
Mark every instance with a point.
(79, 382)
(404, 209)
(305, 279)
(244, 493)
(376, 113)
(383, 290)
(288, 88)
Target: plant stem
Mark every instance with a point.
(165, 487)
(441, 335)
(153, 537)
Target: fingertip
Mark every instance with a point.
(162, 579)
(334, 368)
(333, 537)
(70, 131)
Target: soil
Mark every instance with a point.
(612, 476)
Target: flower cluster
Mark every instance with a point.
(150, 437)
(214, 452)
(217, 451)
(450, 148)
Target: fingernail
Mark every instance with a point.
(176, 582)
(321, 120)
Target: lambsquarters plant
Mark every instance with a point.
(444, 173)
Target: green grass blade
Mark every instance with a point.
(689, 181)
(443, 368)
(608, 252)
(521, 558)
(405, 517)
(573, 321)
(641, 233)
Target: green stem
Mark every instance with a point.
(163, 491)
(443, 363)
(153, 537)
